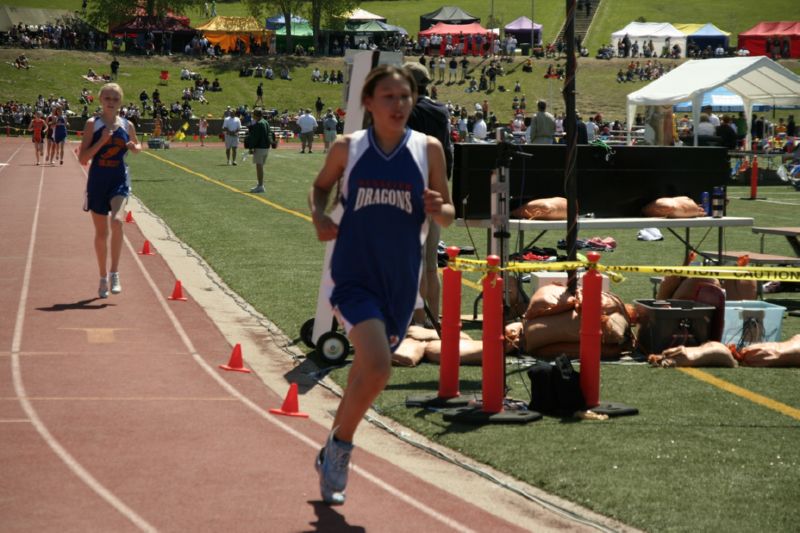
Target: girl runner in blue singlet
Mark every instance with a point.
(390, 178)
(59, 134)
(106, 140)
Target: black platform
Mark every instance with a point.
(609, 185)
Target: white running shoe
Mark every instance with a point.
(102, 292)
(116, 288)
(257, 188)
(333, 464)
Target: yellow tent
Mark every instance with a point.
(688, 29)
(224, 31)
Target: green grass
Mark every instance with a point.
(596, 89)
(693, 460)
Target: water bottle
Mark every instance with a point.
(706, 202)
(717, 202)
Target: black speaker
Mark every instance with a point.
(617, 183)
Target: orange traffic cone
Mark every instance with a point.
(177, 292)
(146, 249)
(129, 217)
(235, 362)
(290, 407)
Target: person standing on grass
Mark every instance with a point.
(38, 126)
(259, 94)
(431, 118)
(258, 140)
(106, 139)
(308, 125)
(114, 68)
(231, 126)
(390, 179)
(329, 127)
(202, 128)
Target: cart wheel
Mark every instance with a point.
(306, 331)
(333, 347)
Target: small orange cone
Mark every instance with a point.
(290, 407)
(177, 292)
(235, 362)
(129, 217)
(146, 249)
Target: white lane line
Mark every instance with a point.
(19, 389)
(7, 164)
(211, 371)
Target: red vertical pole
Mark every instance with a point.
(754, 178)
(591, 335)
(451, 328)
(493, 376)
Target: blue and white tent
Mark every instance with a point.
(720, 99)
(709, 35)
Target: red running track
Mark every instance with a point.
(114, 416)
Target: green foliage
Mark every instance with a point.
(103, 13)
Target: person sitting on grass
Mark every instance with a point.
(215, 86)
(269, 73)
(528, 66)
(22, 62)
(285, 74)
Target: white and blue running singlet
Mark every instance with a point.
(377, 257)
(108, 174)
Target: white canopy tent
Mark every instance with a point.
(658, 32)
(755, 79)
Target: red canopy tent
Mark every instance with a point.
(774, 39)
(459, 31)
(454, 29)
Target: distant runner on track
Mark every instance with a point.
(106, 140)
(38, 127)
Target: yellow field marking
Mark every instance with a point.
(231, 189)
(744, 393)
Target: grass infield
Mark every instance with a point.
(696, 457)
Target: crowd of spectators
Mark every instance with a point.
(637, 71)
(66, 34)
(19, 114)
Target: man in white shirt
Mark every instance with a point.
(591, 129)
(231, 126)
(712, 117)
(543, 126)
(308, 125)
(479, 128)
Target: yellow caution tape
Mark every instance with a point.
(613, 271)
(718, 272)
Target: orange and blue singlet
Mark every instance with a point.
(108, 173)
